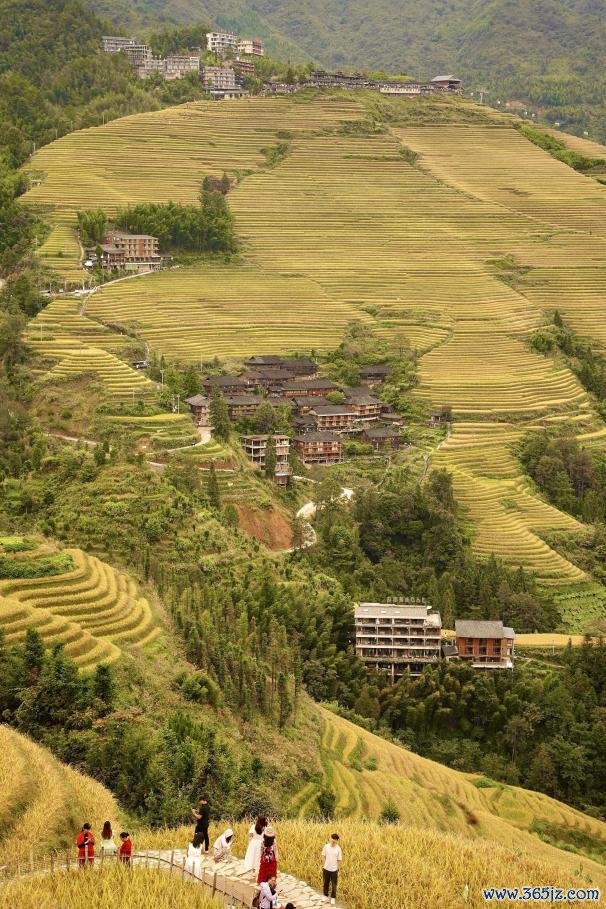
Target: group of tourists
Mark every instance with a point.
(261, 856)
(85, 841)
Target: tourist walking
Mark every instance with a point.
(126, 847)
(202, 816)
(252, 858)
(222, 846)
(108, 847)
(85, 841)
(268, 894)
(193, 863)
(268, 860)
(331, 858)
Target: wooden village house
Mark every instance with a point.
(319, 447)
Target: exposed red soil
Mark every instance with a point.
(268, 526)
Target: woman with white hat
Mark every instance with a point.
(268, 861)
(222, 846)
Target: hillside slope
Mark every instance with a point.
(435, 223)
(44, 802)
(544, 52)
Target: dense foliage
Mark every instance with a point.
(560, 151)
(208, 227)
(545, 732)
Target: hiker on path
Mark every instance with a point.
(194, 860)
(252, 858)
(85, 841)
(268, 895)
(222, 846)
(126, 847)
(108, 847)
(268, 862)
(332, 858)
(202, 816)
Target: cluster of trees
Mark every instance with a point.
(208, 227)
(406, 539)
(542, 731)
(92, 224)
(571, 477)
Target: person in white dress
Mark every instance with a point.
(255, 838)
(108, 847)
(193, 863)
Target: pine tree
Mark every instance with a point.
(214, 493)
(33, 653)
(270, 458)
(219, 415)
(104, 688)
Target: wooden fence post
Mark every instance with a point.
(183, 869)
(214, 883)
(172, 862)
(52, 862)
(147, 858)
(67, 857)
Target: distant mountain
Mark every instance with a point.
(545, 52)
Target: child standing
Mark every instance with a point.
(126, 847)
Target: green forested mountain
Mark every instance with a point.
(542, 52)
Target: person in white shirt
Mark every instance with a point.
(332, 858)
(268, 894)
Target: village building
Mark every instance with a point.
(229, 385)
(141, 251)
(301, 367)
(151, 66)
(393, 638)
(319, 447)
(304, 422)
(447, 84)
(252, 47)
(179, 65)
(381, 437)
(486, 645)
(240, 407)
(440, 417)
(335, 417)
(244, 68)
(401, 88)
(255, 447)
(372, 375)
(366, 407)
(220, 82)
(303, 388)
(106, 255)
(263, 360)
(200, 409)
(113, 44)
(268, 376)
(220, 42)
(137, 54)
(305, 405)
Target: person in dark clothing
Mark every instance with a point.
(202, 816)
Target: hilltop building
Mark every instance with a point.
(240, 407)
(447, 84)
(255, 447)
(229, 385)
(251, 47)
(334, 417)
(394, 637)
(131, 252)
(138, 54)
(220, 82)
(487, 645)
(178, 65)
(220, 42)
(381, 437)
(113, 44)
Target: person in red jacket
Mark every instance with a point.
(85, 841)
(126, 847)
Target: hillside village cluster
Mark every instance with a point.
(227, 79)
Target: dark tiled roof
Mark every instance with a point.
(302, 384)
(222, 381)
(269, 360)
(326, 410)
(379, 369)
(381, 432)
(197, 401)
(467, 628)
(244, 399)
(318, 437)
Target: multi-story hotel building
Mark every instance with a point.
(394, 637)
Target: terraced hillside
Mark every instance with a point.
(367, 772)
(93, 610)
(44, 801)
(458, 238)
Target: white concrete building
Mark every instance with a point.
(251, 46)
(219, 42)
(394, 637)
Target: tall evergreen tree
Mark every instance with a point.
(219, 415)
(214, 493)
(270, 458)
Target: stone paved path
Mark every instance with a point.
(289, 888)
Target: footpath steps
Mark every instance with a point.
(289, 888)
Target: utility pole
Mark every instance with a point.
(483, 91)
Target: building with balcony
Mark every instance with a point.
(396, 637)
(219, 77)
(251, 47)
(255, 448)
(366, 406)
(319, 447)
(113, 44)
(334, 417)
(381, 438)
(179, 65)
(220, 42)
(241, 407)
(486, 645)
(138, 54)
(141, 251)
(305, 388)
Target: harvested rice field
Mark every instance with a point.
(92, 609)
